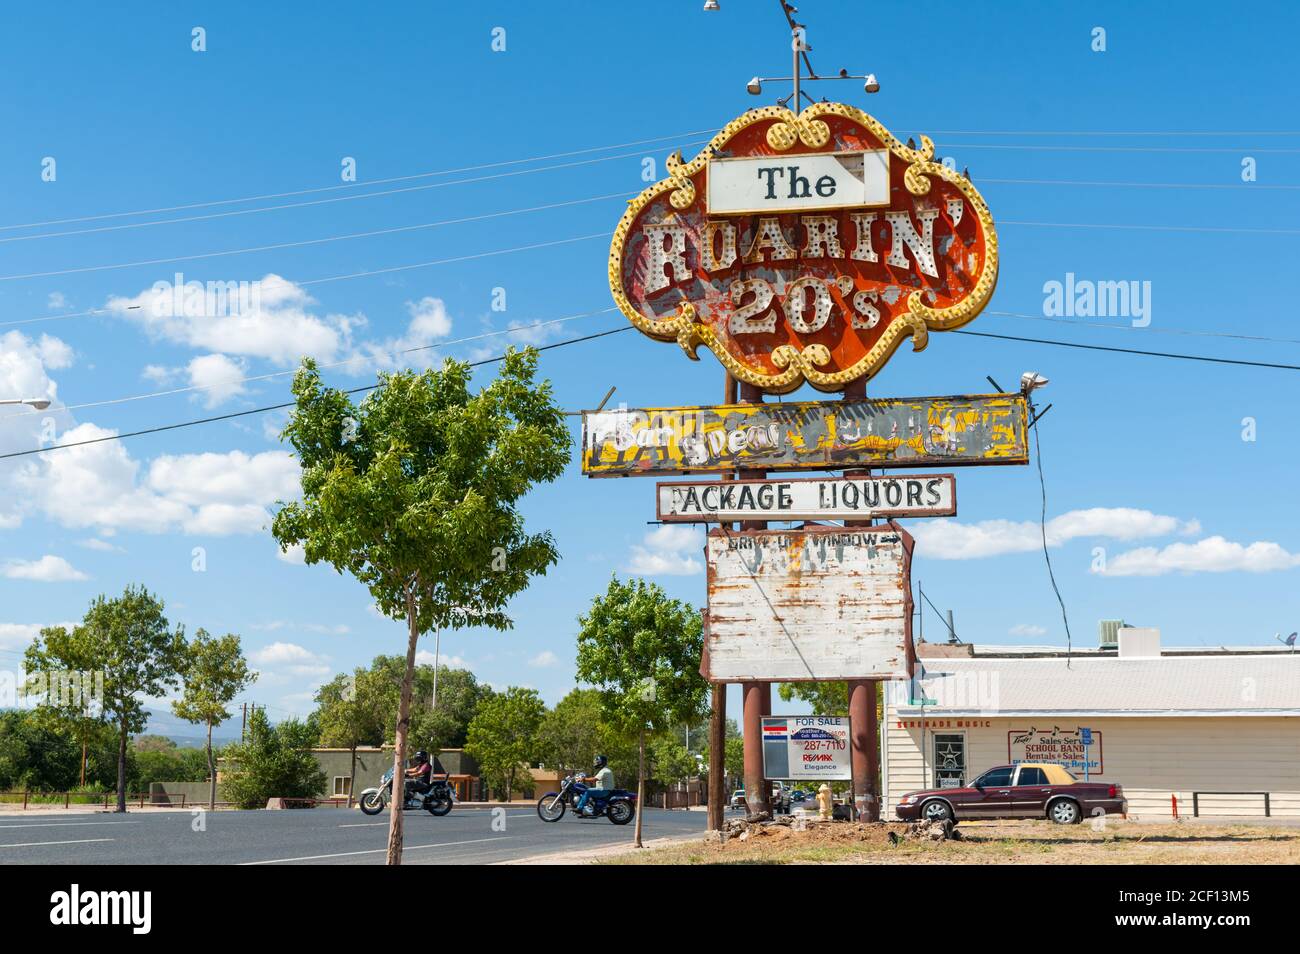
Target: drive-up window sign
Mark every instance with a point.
(806, 747)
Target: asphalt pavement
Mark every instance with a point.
(314, 836)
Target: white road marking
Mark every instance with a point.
(74, 824)
(372, 851)
(385, 824)
(79, 841)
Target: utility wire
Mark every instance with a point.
(312, 202)
(349, 185)
(319, 241)
(357, 361)
(1151, 354)
(1047, 556)
(1143, 328)
(279, 407)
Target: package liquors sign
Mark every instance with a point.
(952, 431)
(807, 498)
(804, 248)
(805, 605)
(806, 747)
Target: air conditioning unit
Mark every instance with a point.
(1108, 633)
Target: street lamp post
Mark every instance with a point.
(39, 404)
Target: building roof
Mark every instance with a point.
(1214, 684)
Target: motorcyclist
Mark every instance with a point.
(418, 773)
(599, 784)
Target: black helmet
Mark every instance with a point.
(600, 762)
(420, 757)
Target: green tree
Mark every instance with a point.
(129, 640)
(669, 760)
(213, 672)
(61, 668)
(159, 759)
(446, 725)
(503, 738)
(415, 492)
(353, 710)
(825, 698)
(642, 650)
(273, 762)
(574, 733)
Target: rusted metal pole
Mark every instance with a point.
(757, 695)
(864, 728)
(717, 794)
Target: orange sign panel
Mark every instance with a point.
(804, 248)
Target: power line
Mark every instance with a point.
(313, 202)
(368, 361)
(1152, 228)
(1142, 328)
(349, 185)
(1249, 186)
(279, 407)
(1151, 354)
(318, 241)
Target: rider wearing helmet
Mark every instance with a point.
(598, 785)
(419, 772)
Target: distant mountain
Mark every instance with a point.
(187, 734)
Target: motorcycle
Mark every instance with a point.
(618, 805)
(438, 800)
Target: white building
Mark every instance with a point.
(1217, 729)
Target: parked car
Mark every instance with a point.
(1027, 790)
(738, 798)
(780, 799)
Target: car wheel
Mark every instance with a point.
(1064, 812)
(936, 811)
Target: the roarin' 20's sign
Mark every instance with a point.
(804, 248)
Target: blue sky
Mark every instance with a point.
(1144, 457)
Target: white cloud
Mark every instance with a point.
(296, 555)
(279, 624)
(544, 659)
(1211, 555)
(217, 377)
(56, 300)
(667, 551)
(277, 324)
(1027, 629)
(291, 658)
(18, 636)
(48, 569)
(103, 546)
(99, 485)
(429, 323)
(952, 540)
(425, 658)
(54, 353)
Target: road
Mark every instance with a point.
(320, 836)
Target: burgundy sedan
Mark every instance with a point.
(1027, 790)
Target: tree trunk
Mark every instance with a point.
(121, 768)
(640, 786)
(352, 772)
(399, 738)
(83, 761)
(212, 773)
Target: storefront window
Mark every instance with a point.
(949, 760)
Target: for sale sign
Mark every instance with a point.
(806, 747)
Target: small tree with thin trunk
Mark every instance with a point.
(503, 738)
(353, 710)
(60, 666)
(414, 492)
(213, 672)
(129, 641)
(642, 650)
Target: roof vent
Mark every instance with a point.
(1135, 643)
(1108, 633)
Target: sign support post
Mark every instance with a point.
(717, 793)
(757, 695)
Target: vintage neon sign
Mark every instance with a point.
(804, 248)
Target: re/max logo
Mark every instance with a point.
(76, 907)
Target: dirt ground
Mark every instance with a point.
(1012, 842)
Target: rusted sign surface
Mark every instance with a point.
(804, 248)
(812, 604)
(809, 435)
(807, 498)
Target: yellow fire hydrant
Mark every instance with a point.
(824, 803)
